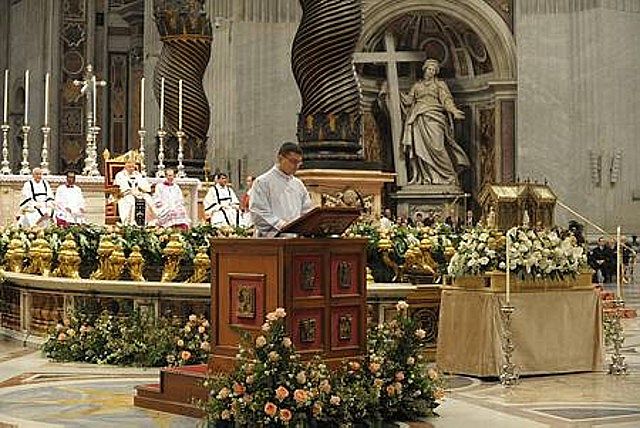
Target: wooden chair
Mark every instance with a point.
(111, 192)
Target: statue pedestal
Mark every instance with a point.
(449, 200)
(326, 186)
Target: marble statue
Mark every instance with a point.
(427, 138)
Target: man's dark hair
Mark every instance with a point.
(222, 174)
(289, 147)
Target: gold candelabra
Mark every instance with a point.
(173, 253)
(136, 264)
(201, 265)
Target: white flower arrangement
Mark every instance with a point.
(533, 254)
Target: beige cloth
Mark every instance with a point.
(553, 332)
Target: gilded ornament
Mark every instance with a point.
(15, 255)
(201, 265)
(105, 248)
(173, 253)
(116, 263)
(136, 264)
(68, 259)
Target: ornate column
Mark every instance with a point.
(185, 32)
(329, 123)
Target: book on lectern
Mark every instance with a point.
(322, 222)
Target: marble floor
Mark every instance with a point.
(37, 393)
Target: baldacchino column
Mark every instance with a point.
(185, 32)
(330, 121)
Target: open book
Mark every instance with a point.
(323, 222)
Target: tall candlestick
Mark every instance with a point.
(26, 97)
(162, 103)
(46, 99)
(618, 265)
(508, 276)
(180, 104)
(6, 96)
(95, 99)
(142, 103)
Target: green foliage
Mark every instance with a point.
(133, 339)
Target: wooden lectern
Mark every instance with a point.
(320, 282)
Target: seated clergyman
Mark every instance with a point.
(169, 203)
(69, 203)
(133, 186)
(36, 206)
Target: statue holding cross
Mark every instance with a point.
(88, 88)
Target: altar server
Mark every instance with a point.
(169, 203)
(69, 203)
(277, 196)
(36, 206)
(133, 186)
(221, 204)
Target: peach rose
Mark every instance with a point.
(400, 376)
(273, 356)
(225, 415)
(402, 306)
(335, 400)
(374, 367)
(270, 409)
(300, 395)
(286, 342)
(193, 318)
(325, 386)
(420, 333)
(354, 365)
(438, 394)
(260, 341)
(201, 329)
(316, 409)
(280, 313)
(185, 355)
(285, 415)
(223, 393)
(301, 377)
(238, 388)
(282, 393)
(391, 391)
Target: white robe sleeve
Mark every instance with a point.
(260, 207)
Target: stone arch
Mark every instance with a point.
(487, 99)
(481, 17)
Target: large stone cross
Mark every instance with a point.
(391, 58)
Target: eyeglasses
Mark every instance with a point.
(294, 160)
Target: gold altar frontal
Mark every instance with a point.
(556, 331)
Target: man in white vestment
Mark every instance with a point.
(69, 203)
(133, 186)
(36, 206)
(277, 197)
(169, 203)
(221, 205)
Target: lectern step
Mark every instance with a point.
(179, 391)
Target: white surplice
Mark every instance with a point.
(277, 199)
(36, 206)
(69, 204)
(169, 205)
(221, 203)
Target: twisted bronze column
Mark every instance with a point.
(185, 32)
(329, 124)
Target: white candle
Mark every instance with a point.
(142, 103)
(46, 99)
(6, 95)
(508, 276)
(180, 105)
(95, 100)
(26, 97)
(162, 103)
(618, 265)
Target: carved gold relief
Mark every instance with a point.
(344, 327)
(344, 275)
(246, 298)
(308, 276)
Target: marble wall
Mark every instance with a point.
(577, 105)
(255, 100)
